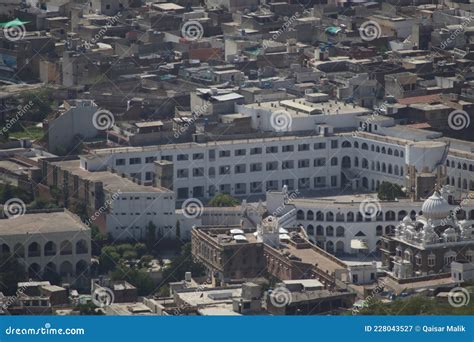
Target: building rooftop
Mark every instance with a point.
(209, 297)
(43, 223)
(302, 107)
(111, 181)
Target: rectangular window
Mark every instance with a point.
(319, 182)
(135, 161)
(224, 170)
(224, 154)
(333, 180)
(271, 166)
(272, 185)
(240, 188)
(290, 183)
(256, 150)
(334, 144)
(198, 156)
(287, 164)
(272, 149)
(256, 187)
(241, 168)
(303, 163)
(198, 172)
(303, 183)
(288, 148)
(149, 160)
(255, 167)
(120, 162)
(224, 188)
(182, 173)
(319, 162)
(182, 157)
(168, 158)
(240, 152)
(303, 147)
(319, 146)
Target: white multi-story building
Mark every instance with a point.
(313, 162)
(311, 158)
(339, 224)
(118, 205)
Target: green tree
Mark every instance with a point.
(223, 200)
(125, 247)
(181, 264)
(129, 255)
(178, 230)
(390, 191)
(108, 259)
(39, 104)
(137, 277)
(51, 276)
(150, 237)
(11, 273)
(141, 249)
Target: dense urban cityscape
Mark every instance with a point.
(236, 157)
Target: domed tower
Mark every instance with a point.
(436, 208)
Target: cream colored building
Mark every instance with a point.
(56, 241)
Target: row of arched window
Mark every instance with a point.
(329, 216)
(380, 167)
(339, 231)
(389, 151)
(66, 269)
(49, 249)
(461, 183)
(458, 165)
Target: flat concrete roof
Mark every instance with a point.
(112, 181)
(55, 222)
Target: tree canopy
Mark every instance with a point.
(390, 191)
(223, 200)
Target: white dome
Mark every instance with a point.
(436, 207)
